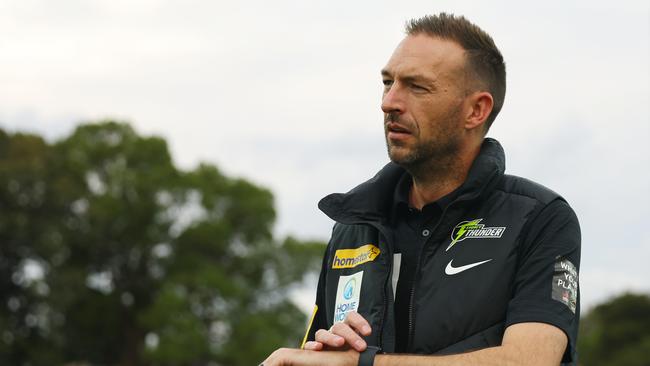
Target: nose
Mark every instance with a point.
(393, 101)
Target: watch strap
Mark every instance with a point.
(367, 357)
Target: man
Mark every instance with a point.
(441, 258)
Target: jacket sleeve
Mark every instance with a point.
(318, 318)
(546, 282)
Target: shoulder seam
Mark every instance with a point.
(540, 193)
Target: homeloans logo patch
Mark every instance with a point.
(348, 295)
(474, 230)
(350, 258)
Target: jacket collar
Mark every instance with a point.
(372, 200)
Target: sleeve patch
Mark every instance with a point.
(348, 295)
(565, 283)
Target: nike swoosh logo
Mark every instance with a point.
(451, 270)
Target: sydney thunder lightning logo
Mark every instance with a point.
(474, 230)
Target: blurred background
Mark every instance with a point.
(160, 164)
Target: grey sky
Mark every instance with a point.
(286, 93)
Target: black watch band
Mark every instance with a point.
(367, 357)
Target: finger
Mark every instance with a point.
(313, 346)
(358, 323)
(351, 337)
(327, 338)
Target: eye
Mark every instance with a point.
(387, 82)
(419, 88)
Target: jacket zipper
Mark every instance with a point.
(411, 329)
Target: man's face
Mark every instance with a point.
(424, 89)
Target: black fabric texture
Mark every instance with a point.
(411, 227)
(487, 264)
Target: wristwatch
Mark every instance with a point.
(367, 357)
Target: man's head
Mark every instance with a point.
(443, 86)
(484, 63)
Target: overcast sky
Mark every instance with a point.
(287, 94)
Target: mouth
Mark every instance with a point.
(396, 131)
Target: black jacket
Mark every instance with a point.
(529, 234)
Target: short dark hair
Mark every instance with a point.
(483, 57)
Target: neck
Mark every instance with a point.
(433, 180)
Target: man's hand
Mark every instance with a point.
(343, 335)
(297, 357)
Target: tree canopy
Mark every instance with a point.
(617, 332)
(109, 254)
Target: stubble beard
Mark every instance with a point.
(430, 157)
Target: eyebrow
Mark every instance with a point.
(417, 78)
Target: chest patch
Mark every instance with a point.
(350, 258)
(474, 230)
(348, 294)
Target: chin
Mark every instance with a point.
(393, 154)
(399, 157)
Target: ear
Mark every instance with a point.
(479, 107)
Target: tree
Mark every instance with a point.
(617, 332)
(109, 254)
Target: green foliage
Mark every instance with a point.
(111, 255)
(617, 332)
